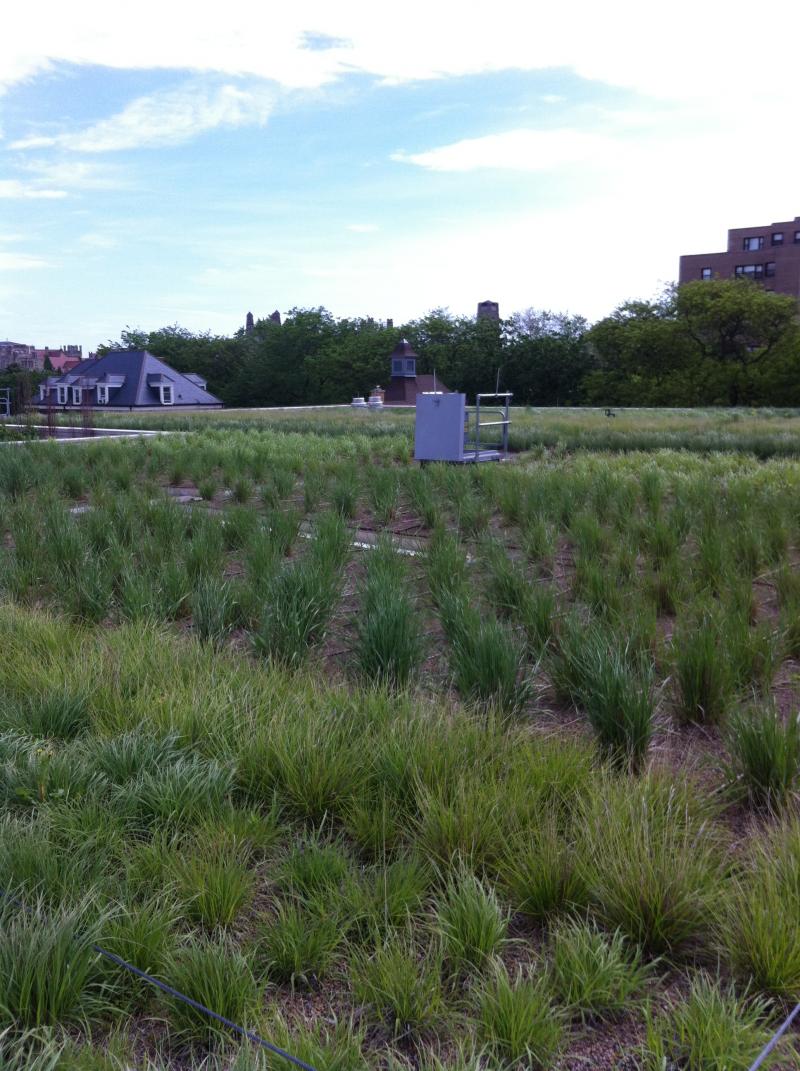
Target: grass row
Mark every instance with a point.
(252, 837)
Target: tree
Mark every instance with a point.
(642, 356)
(740, 326)
(546, 357)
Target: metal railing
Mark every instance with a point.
(475, 446)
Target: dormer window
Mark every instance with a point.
(61, 393)
(166, 394)
(77, 395)
(102, 394)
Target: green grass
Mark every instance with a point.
(214, 882)
(613, 684)
(216, 974)
(401, 983)
(389, 634)
(48, 967)
(764, 753)
(178, 737)
(489, 667)
(518, 1021)
(597, 975)
(472, 923)
(297, 944)
(651, 863)
(757, 922)
(713, 1029)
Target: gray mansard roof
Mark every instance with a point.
(134, 379)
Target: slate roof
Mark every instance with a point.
(133, 378)
(404, 349)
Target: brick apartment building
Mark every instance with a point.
(769, 254)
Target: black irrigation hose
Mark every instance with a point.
(256, 1039)
(787, 1022)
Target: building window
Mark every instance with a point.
(102, 395)
(397, 366)
(705, 273)
(77, 395)
(166, 395)
(769, 269)
(62, 395)
(797, 237)
(777, 238)
(750, 271)
(752, 245)
(411, 366)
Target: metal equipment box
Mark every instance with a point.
(439, 434)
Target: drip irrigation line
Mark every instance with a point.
(787, 1022)
(256, 1039)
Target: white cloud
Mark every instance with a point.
(75, 174)
(16, 190)
(96, 240)
(167, 118)
(681, 51)
(518, 150)
(21, 262)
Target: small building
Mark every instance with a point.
(20, 355)
(62, 360)
(405, 384)
(488, 310)
(125, 379)
(767, 254)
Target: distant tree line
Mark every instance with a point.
(717, 342)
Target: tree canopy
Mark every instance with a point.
(709, 342)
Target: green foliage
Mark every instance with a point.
(298, 605)
(213, 973)
(613, 684)
(401, 982)
(538, 868)
(472, 923)
(712, 1028)
(48, 968)
(388, 629)
(298, 944)
(518, 1021)
(596, 975)
(59, 714)
(213, 882)
(764, 752)
(758, 923)
(489, 665)
(650, 862)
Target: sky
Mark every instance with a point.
(169, 162)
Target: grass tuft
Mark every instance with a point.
(518, 1021)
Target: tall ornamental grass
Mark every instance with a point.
(651, 862)
(389, 636)
(48, 967)
(764, 749)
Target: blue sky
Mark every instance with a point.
(181, 164)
